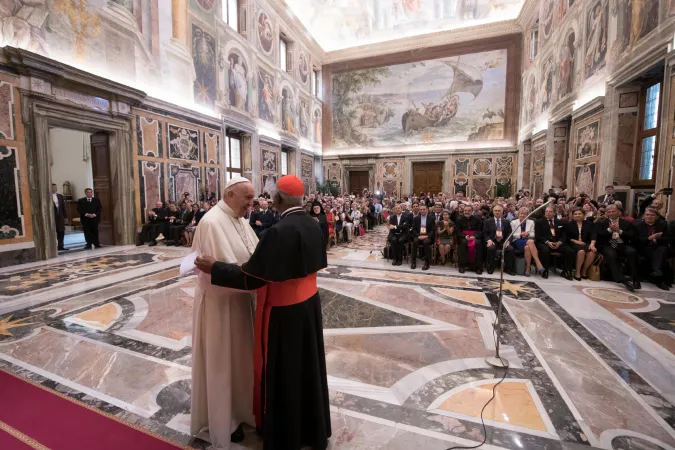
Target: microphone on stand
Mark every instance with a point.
(497, 360)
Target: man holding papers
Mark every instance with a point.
(222, 342)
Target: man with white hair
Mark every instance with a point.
(222, 338)
(291, 386)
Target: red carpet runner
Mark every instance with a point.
(32, 417)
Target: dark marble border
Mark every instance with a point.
(16, 257)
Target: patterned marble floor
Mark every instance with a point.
(592, 366)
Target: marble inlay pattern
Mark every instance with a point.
(405, 354)
(340, 311)
(31, 280)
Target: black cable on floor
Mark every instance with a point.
(482, 421)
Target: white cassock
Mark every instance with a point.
(222, 340)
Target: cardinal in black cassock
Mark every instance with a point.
(291, 388)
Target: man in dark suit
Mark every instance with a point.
(652, 242)
(608, 198)
(614, 236)
(548, 237)
(399, 224)
(262, 219)
(59, 217)
(472, 224)
(89, 208)
(157, 218)
(495, 232)
(423, 233)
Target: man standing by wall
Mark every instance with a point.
(89, 209)
(59, 217)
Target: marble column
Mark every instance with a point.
(664, 176)
(179, 20)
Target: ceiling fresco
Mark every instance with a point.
(339, 24)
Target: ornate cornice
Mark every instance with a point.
(34, 65)
(526, 13)
(298, 28)
(415, 43)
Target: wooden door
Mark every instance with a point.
(358, 181)
(100, 166)
(428, 177)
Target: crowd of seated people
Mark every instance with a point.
(568, 232)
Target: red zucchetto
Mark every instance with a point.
(291, 185)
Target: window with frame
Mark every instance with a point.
(649, 132)
(316, 83)
(284, 162)
(232, 157)
(231, 13)
(283, 49)
(534, 43)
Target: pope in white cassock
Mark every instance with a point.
(222, 341)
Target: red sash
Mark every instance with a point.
(471, 245)
(286, 293)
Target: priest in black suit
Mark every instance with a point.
(290, 382)
(157, 218)
(423, 233)
(495, 232)
(652, 242)
(469, 229)
(614, 236)
(548, 237)
(59, 216)
(89, 208)
(399, 224)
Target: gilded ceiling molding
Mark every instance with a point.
(296, 27)
(471, 33)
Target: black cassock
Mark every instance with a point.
(291, 388)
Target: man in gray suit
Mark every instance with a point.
(59, 216)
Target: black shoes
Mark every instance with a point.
(479, 271)
(426, 266)
(237, 436)
(637, 284)
(462, 269)
(87, 247)
(566, 275)
(62, 249)
(97, 246)
(490, 270)
(413, 266)
(544, 274)
(629, 285)
(397, 263)
(152, 244)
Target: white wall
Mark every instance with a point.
(69, 148)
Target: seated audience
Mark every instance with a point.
(445, 232)
(579, 235)
(192, 224)
(522, 242)
(548, 232)
(613, 239)
(495, 232)
(470, 246)
(652, 241)
(423, 233)
(157, 216)
(399, 225)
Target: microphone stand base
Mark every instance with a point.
(497, 362)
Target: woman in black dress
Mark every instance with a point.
(318, 215)
(579, 236)
(446, 229)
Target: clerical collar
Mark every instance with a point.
(293, 210)
(226, 209)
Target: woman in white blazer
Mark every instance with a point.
(523, 240)
(356, 216)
